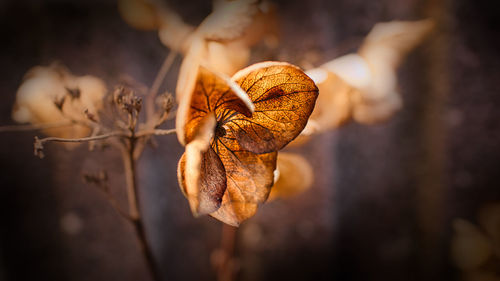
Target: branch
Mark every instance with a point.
(150, 100)
(38, 145)
(156, 132)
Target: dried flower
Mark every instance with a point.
(364, 85)
(232, 129)
(52, 94)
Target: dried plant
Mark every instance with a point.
(231, 139)
(232, 128)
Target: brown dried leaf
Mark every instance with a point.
(229, 20)
(205, 183)
(284, 98)
(211, 93)
(249, 181)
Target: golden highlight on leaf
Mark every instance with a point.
(252, 122)
(283, 96)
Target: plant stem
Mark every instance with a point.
(156, 132)
(86, 139)
(225, 267)
(153, 92)
(134, 209)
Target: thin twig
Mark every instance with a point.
(153, 92)
(86, 139)
(155, 132)
(133, 199)
(33, 127)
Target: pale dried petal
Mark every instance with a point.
(295, 176)
(334, 106)
(228, 20)
(44, 87)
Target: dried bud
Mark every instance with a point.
(59, 102)
(100, 178)
(165, 102)
(38, 148)
(90, 116)
(73, 93)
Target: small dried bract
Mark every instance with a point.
(50, 95)
(293, 176)
(233, 129)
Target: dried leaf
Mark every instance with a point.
(363, 85)
(284, 98)
(205, 183)
(228, 20)
(333, 107)
(173, 32)
(277, 90)
(211, 93)
(295, 176)
(389, 42)
(249, 181)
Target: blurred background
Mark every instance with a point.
(384, 199)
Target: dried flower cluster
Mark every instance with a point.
(232, 127)
(232, 130)
(52, 95)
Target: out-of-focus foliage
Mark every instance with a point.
(363, 86)
(53, 95)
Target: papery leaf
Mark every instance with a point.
(371, 111)
(295, 176)
(389, 42)
(334, 106)
(173, 32)
(249, 180)
(228, 20)
(284, 98)
(205, 183)
(211, 93)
